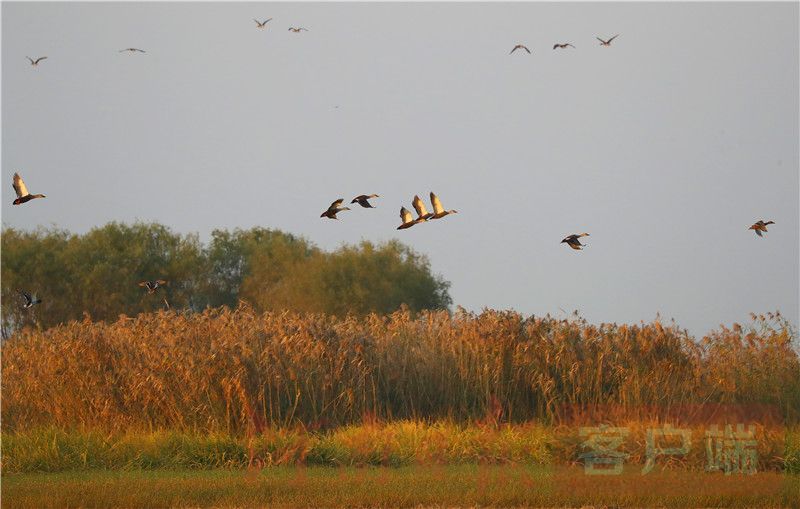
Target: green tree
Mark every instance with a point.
(98, 272)
(34, 262)
(354, 279)
(233, 256)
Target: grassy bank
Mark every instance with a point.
(403, 443)
(465, 486)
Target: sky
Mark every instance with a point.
(665, 146)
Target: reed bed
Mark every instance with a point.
(238, 372)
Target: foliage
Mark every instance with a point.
(97, 274)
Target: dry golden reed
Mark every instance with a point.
(241, 373)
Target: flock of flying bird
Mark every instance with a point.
(603, 42)
(408, 220)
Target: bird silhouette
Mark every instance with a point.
(36, 62)
(422, 213)
(132, 50)
(408, 219)
(608, 42)
(520, 46)
(152, 286)
(574, 242)
(22, 191)
(438, 210)
(262, 24)
(334, 209)
(29, 301)
(362, 200)
(297, 30)
(760, 226)
(562, 46)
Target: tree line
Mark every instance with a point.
(96, 274)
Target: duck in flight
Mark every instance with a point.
(22, 191)
(438, 210)
(262, 24)
(34, 63)
(574, 242)
(562, 46)
(608, 42)
(297, 30)
(152, 286)
(422, 213)
(29, 301)
(363, 200)
(132, 50)
(334, 209)
(760, 226)
(520, 46)
(408, 219)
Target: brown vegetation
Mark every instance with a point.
(239, 371)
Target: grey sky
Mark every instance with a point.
(665, 146)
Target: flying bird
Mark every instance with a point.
(760, 226)
(408, 219)
(562, 46)
(22, 191)
(362, 200)
(608, 42)
(152, 286)
(297, 30)
(133, 50)
(36, 62)
(334, 209)
(422, 212)
(29, 301)
(438, 210)
(518, 46)
(262, 24)
(573, 242)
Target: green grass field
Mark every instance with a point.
(464, 486)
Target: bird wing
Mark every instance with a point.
(29, 58)
(145, 284)
(556, 46)
(19, 186)
(405, 215)
(526, 49)
(160, 282)
(40, 59)
(437, 204)
(335, 205)
(419, 206)
(613, 38)
(758, 232)
(601, 40)
(26, 295)
(513, 50)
